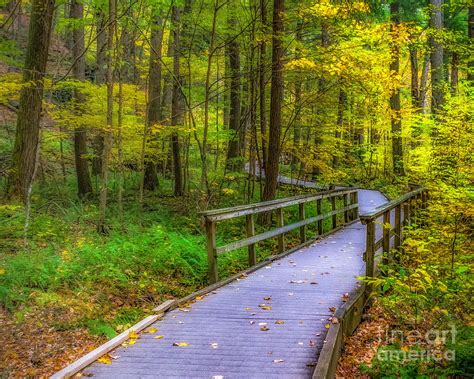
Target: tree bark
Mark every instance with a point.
(262, 86)
(100, 74)
(454, 72)
(396, 117)
(276, 100)
(107, 136)
(470, 34)
(415, 88)
(437, 53)
(25, 150)
(84, 185)
(176, 103)
(234, 146)
(154, 95)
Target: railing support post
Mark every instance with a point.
(370, 249)
(251, 233)
(303, 228)
(346, 212)
(319, 212)
(211, 251)
(406, 213)
(333, 207)
(398, 226)
(281, 237)
(386, 237)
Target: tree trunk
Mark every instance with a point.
(176, 104)
(262, 85)
(25, 150)
(276, 100)
(107, 136)
(396, 117)
(341, 107)
(415, 88)
(437, 70)
(84, 185)
(454, 72)
(154, 95)
(100, 74)
(470, 34)
(424, 84)
(234, 147)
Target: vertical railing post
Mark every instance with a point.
(211, 251)
(333, 207)
(406, 213)
(281, 237)
(251, 233)
(370, 249)
(398, 226)
(303, 228)
(319, 212)
(346, 212)
(355, 201)
(386, 237)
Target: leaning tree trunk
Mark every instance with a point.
(26, 148)
(437, 70)
(262, 85)
(415, 87)
(396, 118)
(470, 34)
(276, 99)
(84, 185)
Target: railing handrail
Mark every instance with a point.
(265, 206)
(379, 211)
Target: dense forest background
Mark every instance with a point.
(122, 119)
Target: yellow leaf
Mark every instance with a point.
(279, 322)
(131, 342)
(151, 330)
(180, 344)
(2, 271)
(327, 326)
(133, 335)
(159, 337)
(105, 359)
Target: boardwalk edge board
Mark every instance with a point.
(349, 316)
(169, 305)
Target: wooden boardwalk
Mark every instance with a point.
(269, 324)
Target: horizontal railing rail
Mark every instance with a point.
(349, 209)
(406, 205)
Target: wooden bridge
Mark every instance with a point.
(282, 318)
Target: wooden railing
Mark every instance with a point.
(406, 206)
(349, 209)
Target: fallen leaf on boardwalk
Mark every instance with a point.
(267, 298)
(214, 345)
(151, 330)
(218, 377)
(312, 343)
(314, 283)
(105, 359)
(248, 309)
(199, 297)
(180, 344)
(327, 326)
(332, 309)
(278, 360)
(133, 335)
(252, 322)
(131, 342)
(279, 322)
(345, 297)
(264, 329)
(262, 323)
(159, 337)
(334, 320)
(265, 307)
(300, 343)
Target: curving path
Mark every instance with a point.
(270, 324)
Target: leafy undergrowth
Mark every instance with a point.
(70, 289)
